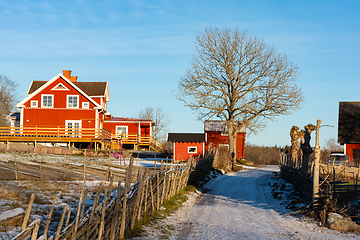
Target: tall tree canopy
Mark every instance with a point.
(7, 98)
(240, 79)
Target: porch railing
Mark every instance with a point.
(53, 131)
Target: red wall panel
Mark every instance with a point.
(215, 138)
(181, 150)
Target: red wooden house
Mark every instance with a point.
(216, 134)
(349, 129)
(65, 110)
(186, 145)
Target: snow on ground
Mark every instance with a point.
(240, 206)
(67, 192)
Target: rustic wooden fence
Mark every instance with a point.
(42, 170)
(108, 219)
(340, 182)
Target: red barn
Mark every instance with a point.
(216, 134)
(349, 129)
(65, 110)
(186, 145)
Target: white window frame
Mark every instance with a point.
(34, 103)
(83, 105)
(121, 126)
(190, 147)
(42, 100)
(67, 101)
(69, 131)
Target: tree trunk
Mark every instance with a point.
(232, 134)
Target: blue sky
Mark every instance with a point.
(142, 48)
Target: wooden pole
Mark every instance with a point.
(35, 230)
(49, 217)
(157, 191)
(16, 173)
(137, 200)
(102, 220)
(73, 237)
(84, 203)
(27, 213)
(60, 223)
(114, 219)
(316, 194)
(127, 188)
(64, 167)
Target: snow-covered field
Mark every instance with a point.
(15, 195)
(240, 206)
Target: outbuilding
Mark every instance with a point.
(186, 145)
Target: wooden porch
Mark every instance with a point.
(57, 134)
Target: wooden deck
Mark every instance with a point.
(59, 134)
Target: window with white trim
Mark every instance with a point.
(72, 101)
(73, 127)
(192, 149)
(34, 104)
(47, 100)
(121, 130)
(85, 105)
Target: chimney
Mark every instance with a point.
(67, 74)
(73, 78)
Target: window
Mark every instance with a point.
(85, 105)
(60, 86)
(34, 104)
(192, 149)
(72, 101)
(47, 101)
(73, 127)
(121, 130)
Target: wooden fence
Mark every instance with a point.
(41, 170)
(108, 219)
(340, 182)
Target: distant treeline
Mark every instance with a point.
(260, 155)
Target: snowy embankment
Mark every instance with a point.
(240, 206)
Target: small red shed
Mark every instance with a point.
(216, 134)
(186, 145)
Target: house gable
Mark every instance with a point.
(42, 87)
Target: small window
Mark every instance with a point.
(34, 104)
(121, 130)
(47, 101)
(192, 149)
(224, 134)
(85, 105)
(72, 101)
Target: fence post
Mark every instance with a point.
(60, 223)
(127, 188)
(15, 165)
(316, 168)
(102, 220)
(49, 217)
(114, 219)
(27, 213)
(73, 237)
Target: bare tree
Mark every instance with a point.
(161, 120)
(7, 98)
(240, 79)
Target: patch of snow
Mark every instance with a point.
(11, 214)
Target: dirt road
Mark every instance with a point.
(240, 206)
